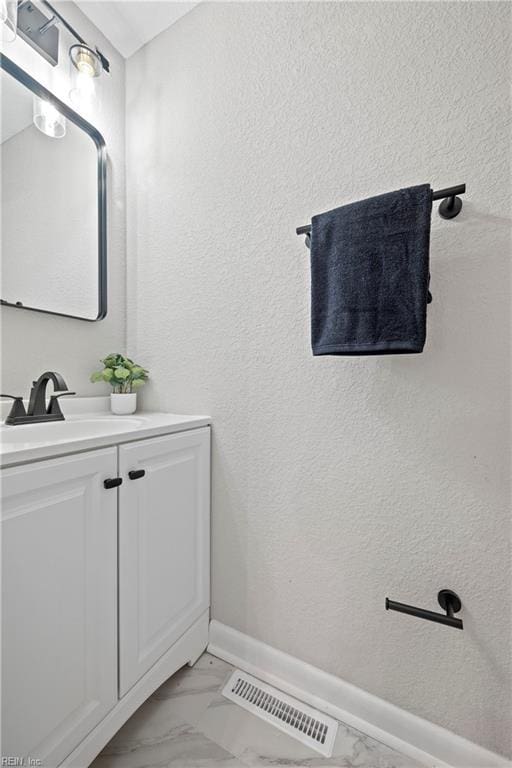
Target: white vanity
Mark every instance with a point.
(105, 550)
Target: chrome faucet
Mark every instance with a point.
(37, 410)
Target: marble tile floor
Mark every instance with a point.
(187, 723)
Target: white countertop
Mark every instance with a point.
(86, 429)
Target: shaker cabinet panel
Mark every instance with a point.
(163, 545)
(59, 612)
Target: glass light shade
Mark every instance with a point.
(48, 119)
(8, 19)
(85, 67)
(83, 91)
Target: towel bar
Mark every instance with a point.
(449, 208)
(449, 602)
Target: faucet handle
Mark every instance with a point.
(54, 407)
(17, 410)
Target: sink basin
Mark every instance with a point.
(63, 431)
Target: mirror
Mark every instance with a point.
(53, 233)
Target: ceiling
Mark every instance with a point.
(130, 24)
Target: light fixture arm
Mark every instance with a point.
(56, 15)
(49, 24)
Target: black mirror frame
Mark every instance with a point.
(39, 90)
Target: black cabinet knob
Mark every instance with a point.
(136, 473)
(112, 482)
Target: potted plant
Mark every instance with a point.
(125, 377)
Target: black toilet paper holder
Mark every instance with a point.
(449, 602)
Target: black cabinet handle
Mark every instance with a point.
(112, 482)
(136, 473)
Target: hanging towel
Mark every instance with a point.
(370, 275)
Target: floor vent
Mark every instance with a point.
(291, 716)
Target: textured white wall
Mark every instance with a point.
(336, 481)
(33, 342)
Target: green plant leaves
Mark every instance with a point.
(139, 373)
(121, 373)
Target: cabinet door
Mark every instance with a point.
(59, 537)
(164, 546)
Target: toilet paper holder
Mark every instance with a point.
(449, 601)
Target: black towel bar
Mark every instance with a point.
(449, 208)
(449, 602)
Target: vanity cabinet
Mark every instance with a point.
(105, 589)
(59, 608)
(164, 544)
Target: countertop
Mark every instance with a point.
(88, 425)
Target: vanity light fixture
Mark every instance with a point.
(86, 65)
(48, 119)
(8, 20)
(42, 33)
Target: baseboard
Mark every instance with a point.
(419, 739)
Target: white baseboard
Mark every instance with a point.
(419, 739)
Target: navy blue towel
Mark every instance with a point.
(370, 275)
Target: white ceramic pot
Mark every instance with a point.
(124, 404)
